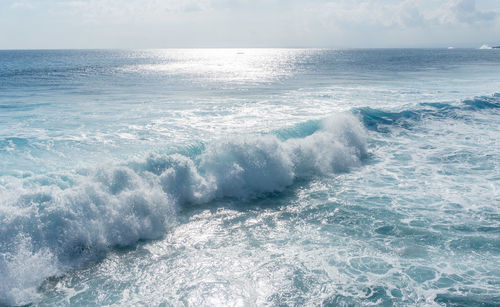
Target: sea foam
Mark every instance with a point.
(56, 222)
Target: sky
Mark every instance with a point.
(54, 24)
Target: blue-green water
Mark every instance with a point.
(250, 177)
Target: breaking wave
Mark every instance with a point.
(52, 223)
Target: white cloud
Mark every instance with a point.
(172, 23)
(120, 11)
(22, 5)
(404, 14)
(465, 11)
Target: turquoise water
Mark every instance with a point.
(250, 177)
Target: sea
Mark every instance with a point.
(250, 177)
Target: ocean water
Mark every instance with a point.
(250, 177)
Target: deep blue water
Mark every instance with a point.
(250, 177)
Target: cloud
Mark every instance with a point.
(256, 23)
(403, 14)
(120, 11)
(465, 11)
(372, 13)
(333, 13)
(22, 5)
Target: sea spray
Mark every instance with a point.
(99, 148)
(60, 228)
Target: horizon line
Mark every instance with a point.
(185, 48)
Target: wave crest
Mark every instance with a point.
(380, 120)
(60, 222)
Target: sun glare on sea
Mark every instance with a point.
(234, 65)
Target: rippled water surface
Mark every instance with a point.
(250, 177)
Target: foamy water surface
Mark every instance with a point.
(250, 177)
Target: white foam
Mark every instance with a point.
(65, 222)
(22, 271)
